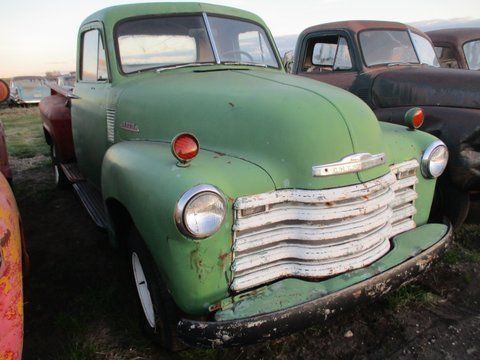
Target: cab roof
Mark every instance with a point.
(111, 15)
(455, 36)
(357, 26)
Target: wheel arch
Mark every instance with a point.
(120, 220)
(48, 136)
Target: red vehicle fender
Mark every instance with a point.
(4, 163)
(57, 125)
(11, 293)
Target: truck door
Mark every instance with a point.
(89, 110)
(329, 58)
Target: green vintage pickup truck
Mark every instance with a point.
(252, 203)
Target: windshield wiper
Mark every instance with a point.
(244, 64)
(183, 66)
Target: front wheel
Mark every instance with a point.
(61, 180)
(158, 312)
(451, 202)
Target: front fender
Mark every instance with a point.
(403, 144)
(144, 177)
(11, 293)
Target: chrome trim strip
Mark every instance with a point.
(185, 199)
(349, 164)
(210, 36)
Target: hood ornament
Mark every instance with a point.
(349, 164)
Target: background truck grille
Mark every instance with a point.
(319, 233)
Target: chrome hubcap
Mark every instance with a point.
(142, 289)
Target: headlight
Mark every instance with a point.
(434, 160)
(200, 211)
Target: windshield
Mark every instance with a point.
(241, 41)
(395, 47)
(472, 54)
(425, 50)
(28, 83)
(162, 42)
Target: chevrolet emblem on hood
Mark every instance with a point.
(349, 164)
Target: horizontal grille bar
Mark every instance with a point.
(315, 196)
(316, 213)
(312, 251)
(313, 232)
(296, 268)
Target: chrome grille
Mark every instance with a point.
(111, 125)
(320, 233)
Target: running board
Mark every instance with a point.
(93, 203)
(72, 172)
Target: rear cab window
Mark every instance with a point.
(446, 57)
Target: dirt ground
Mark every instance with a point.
(79, 303)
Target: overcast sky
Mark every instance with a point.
(39, 35)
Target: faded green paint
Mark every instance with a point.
(290, 292)
(259, 130)
(144, 177)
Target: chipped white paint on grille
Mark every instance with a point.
(319, 233)
(315, 196)
(111, 125)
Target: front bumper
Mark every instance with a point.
(20, 101)
(266, 326)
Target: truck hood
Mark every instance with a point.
(282, 123)
(426, 86)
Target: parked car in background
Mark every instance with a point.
(27, 90)
(12, 252)
(392, 67)
(66, 81)
(457, 48)
(252, 203)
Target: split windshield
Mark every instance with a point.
(380, 47)
(162, 42)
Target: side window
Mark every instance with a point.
(94, 62)
(446, 57)
(102, 74)
(328, 53)
(472, 54)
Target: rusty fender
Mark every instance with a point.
(276, 324)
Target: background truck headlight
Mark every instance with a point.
(434, 160)
(200, 211)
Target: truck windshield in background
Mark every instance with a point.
(154, 43)
(425, 50)
(472, 54)
(396, 47)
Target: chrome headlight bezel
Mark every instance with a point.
(427, 156)
(186, 199)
